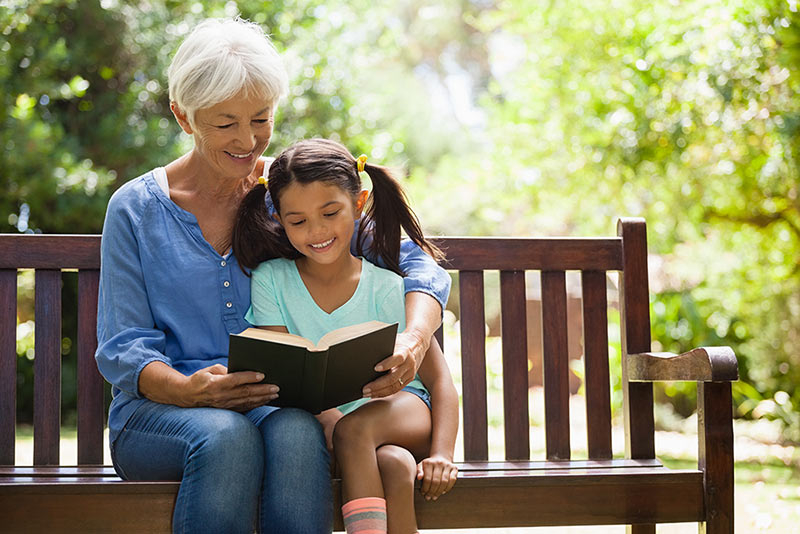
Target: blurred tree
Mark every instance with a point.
(508, 117)
(686, 113)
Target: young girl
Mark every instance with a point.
(316, 285)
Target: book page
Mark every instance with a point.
(278, 337)
(348, 332)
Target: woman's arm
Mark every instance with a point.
(437, 472)
(427, 287)
(212, 386)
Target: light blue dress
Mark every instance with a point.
(280, 298)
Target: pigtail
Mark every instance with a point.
(257, 236)
(388, 211)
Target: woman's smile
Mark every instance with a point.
(239, 156)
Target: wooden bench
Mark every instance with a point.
(555, 490)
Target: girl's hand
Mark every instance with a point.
(409, 349)
(328, 420)
(214, 387)
(438, 475)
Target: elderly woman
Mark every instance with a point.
(171, 292)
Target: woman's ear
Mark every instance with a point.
(361, 201)
(181, 117)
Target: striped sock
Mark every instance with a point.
(365, 516)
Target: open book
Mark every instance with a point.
(314, 377)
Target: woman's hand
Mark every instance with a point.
(438, 475)
(214, 387)
(409, 349)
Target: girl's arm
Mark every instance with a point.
(437, 472)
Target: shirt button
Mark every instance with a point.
(229, 304)
(226, 283)
(223, 263)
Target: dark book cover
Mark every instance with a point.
(314, 380)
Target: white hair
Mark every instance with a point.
(220, 59)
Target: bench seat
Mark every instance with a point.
(545, 493)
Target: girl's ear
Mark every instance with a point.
(361, 201)
(181, 117)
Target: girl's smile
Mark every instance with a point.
(323, 246)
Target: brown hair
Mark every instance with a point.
(258, 237)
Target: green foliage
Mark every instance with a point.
(514, 117)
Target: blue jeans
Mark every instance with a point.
(268, 462)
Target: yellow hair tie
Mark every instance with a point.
(361, 161)
(262, 180)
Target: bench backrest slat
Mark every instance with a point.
(555, 365)
(595, 349)
(47, 368)
(515, 365)
(90, 381)
(635, 312)
(473, 365)
(8, 364)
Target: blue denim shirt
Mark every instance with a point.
(167, 295)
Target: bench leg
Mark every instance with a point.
(641, 529)
(715, 454)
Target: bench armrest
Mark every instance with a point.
(703, 364)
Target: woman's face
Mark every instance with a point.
(233, 134)
(319, 219)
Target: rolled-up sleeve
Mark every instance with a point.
(126, 334)
(422, 273)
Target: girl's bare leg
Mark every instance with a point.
(398, 470)
(401, 419)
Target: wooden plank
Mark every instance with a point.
(47, 368)
(58, 471)
(704, 364)
(528, 465)
(635, 321)
(715, 453)
(553, 500)
(40, 251)
(555, 364)
(515, 365)
(8, 364)
(142, 512)
(473, 365)
(595, 353)
(463, 253)
(637, 495)
(80, 472)
(90, 382)
(541, 253)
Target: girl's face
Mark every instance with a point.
(231, 135)
(319, 219)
